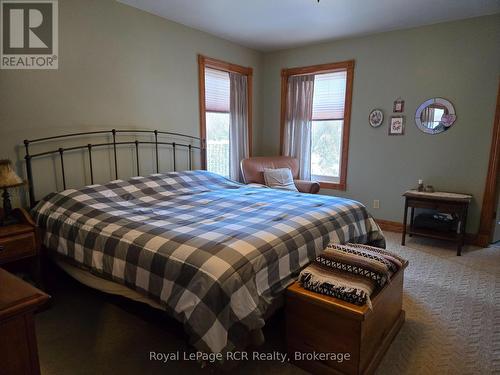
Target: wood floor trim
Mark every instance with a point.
(390, 226)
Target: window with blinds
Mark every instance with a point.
(217, 88)
(329, 97)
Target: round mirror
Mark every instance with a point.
(435, 116)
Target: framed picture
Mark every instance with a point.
(399, 106)
(376, 118)
(397, 125)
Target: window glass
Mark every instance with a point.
(327, 124)
(217, 88)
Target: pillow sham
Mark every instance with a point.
(280, 178)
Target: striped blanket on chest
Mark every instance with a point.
(351, 272)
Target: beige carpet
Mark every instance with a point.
(453, 311)
(452, 327)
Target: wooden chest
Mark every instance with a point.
(323, 329)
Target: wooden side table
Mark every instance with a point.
(20, 241)
(18, 303)
(450, 203)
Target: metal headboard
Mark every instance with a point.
(188, 140)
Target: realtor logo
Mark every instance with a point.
(29, 34)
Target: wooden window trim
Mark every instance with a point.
(208, 62)
(488, 209)
(318, 69)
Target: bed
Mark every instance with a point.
(213, 253)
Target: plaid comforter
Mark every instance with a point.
(213, 252)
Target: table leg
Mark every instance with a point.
(403, 238)
(461, 237)
(412, 214)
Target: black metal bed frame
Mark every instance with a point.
(114, 132)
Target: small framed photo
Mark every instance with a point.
(399, 106)
(376, 118)
(397, 125)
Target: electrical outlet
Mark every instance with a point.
(376, 203)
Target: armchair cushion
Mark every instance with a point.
(280, 178)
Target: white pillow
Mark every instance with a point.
(280, 178)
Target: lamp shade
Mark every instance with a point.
(8, 178)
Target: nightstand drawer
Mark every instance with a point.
(17, 247)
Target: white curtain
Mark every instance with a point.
(238, 124)
(297, 137)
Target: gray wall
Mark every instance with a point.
(459, 61)
(119, 67)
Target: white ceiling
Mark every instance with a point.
(277, 24)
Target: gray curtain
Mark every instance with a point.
(297, 137)
(428, 116)
(238, 124)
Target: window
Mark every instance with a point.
(215, 117)
(330, 119)
(327, 124)
(438, 114)
(217, 121)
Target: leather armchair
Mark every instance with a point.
(252, 170)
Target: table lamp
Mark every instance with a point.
(8, 179)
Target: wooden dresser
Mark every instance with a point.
(18, 303)
(20, 242)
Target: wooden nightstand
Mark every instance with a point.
(450, 203)
(18, 303)
(20, 241)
